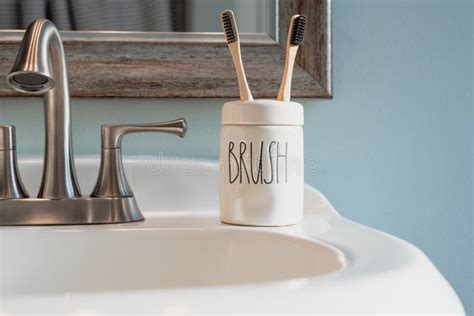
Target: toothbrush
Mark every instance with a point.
(295, 39)
(232, 36)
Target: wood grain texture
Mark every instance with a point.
(315, 55)
(194, 69)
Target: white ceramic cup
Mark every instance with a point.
(261, 163)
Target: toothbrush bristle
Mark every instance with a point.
(228, 23)
(297, 31)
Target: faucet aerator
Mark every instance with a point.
(30, 82)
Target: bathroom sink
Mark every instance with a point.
(147, 256)
(183, 260)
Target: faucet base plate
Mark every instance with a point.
(79, 211)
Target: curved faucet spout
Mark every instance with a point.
(40, 68)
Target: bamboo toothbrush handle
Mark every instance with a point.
(284, 94)
(245, 94)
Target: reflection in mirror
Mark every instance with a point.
(139, 15)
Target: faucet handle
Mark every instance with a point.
(11, 186)
(112, 134)
(112, 181)
(7, 137)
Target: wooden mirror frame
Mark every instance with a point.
(190, 65)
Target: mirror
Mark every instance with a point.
(174, 48)
(138, 15)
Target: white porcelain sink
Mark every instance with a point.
(182, 260)
(139, 257)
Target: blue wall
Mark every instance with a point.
(394, 148)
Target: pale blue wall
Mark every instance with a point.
(394, 147)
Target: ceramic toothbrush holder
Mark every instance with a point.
(261, 163)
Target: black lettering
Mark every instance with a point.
(260, 164)
(273, 143)
(286, 162)
(243, 148)
(231, 154)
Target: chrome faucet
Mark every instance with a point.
(40, 68)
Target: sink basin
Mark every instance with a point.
(183, 260)
(131, 258)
